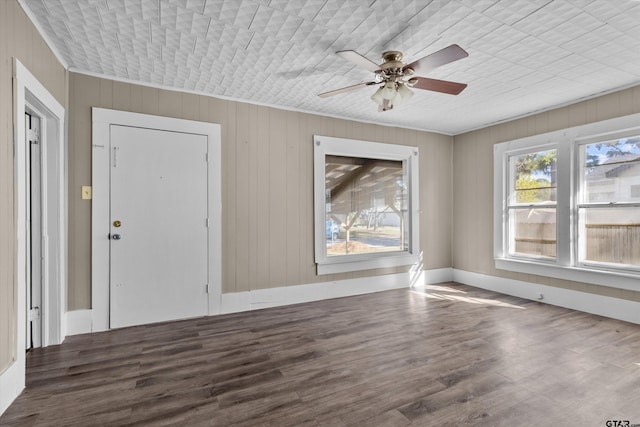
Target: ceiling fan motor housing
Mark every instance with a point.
(393, 67)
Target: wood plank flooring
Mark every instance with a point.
(449, 355)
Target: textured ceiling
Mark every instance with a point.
(524, 56)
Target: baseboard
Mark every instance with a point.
(78, 322)
(12, 382)
(286, 295)
(431, 277)
(615, 308)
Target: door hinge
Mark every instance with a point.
(206, 222)
(206, 157)
(32, 136)
(115, 156)
(206, 287)
(34, 313)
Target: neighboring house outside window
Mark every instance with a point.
(567, 204)
(609, 209)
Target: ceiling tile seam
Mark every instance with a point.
(406, 27)
(362, 21)
(319, 10)
(532, 12)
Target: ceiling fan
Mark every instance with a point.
(395, 77)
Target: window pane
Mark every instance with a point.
(610, 235)
(366, 206)
(611, 171)
(533, 178)
(533, 232)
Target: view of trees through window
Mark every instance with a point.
(532, 207)
(365, 205)
(608, 203)
(609, 210)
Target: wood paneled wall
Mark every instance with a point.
(473, 183)
(19, 39)
(267, 183)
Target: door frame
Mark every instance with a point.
(102, 119)
(34, 194)
(31, 96)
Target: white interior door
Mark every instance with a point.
(158, 226)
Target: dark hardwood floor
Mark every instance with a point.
(450, 355)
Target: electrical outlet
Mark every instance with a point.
(86, 192)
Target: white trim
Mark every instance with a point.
(78, 322)
(285, 295)
(608, 278)
(566, 266)
(27, 89)
(325, 145)
(102, 119)
(76, 70)
(12, 383)
(549, 108)
(615, 308)
(351, 119)
(432, 277)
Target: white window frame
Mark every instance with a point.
(580, 202)
(325, 145)
(566, 265)
(512, 207)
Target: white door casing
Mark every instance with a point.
(33, 98)
(159, 244)
(104, 121)
(30, 94)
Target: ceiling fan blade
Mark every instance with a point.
(345, 89)
(355, 58)
(437, 59)
(443, 86)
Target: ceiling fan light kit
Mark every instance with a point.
(395, 77)
(394, 93)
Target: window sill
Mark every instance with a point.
(344, 266)
(613, 279)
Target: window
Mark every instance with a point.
(366, 201)
(567, 204)
(532, 204)
(609, 207)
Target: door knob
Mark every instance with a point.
(116, 236)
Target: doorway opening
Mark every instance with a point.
(40, 168)
(34, 238)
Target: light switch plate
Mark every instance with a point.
(86, 192)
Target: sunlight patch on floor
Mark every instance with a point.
(470, 300)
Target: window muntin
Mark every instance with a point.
(366, 205)
(609, 204)
(532, 204)
(578, 201)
